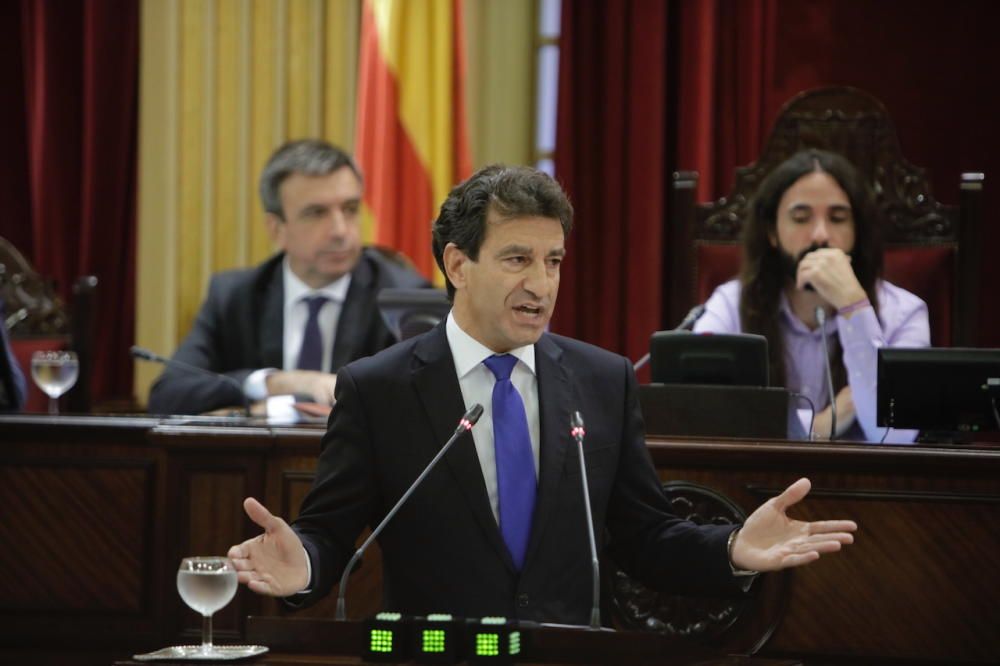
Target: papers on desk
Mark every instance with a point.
(291, 409)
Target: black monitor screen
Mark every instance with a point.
(680, 357)
(410, 312)
(947, 390)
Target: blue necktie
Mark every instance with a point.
(515, 461)
(311, 353)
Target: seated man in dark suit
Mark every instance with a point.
(498, 527)
(287, 325)
(13, 387)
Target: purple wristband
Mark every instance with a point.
(854, 307)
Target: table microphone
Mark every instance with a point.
(464, 425)
(821, 320)
(146, 355)
(576, 429)
(693, 315)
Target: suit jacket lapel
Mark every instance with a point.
(437, 385)
(272, 319)
(354, 313)
(555, 397)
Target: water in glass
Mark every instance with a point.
(54, 372)
(206, 584)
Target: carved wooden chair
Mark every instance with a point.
(930, 249)
(38, 320)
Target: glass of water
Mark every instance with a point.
(54, 372)
(207, 584)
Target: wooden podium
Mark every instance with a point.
(98, 511)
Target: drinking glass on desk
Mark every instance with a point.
(54, 372)
(207, 584)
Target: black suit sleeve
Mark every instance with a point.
(177, 391)
(647, 540)
(343, 497)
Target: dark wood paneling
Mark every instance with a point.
(97, 507)
(101, 511)
(80, 514)
(921, 580)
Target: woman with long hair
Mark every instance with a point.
(811, 240)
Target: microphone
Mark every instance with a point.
(693, 315)
(464, 425)
(144, 354)
(576, 429)
(821, 320)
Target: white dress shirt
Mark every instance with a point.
(476, 382)
(295, 316)
(297, 313)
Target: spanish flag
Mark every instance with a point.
(411, 142)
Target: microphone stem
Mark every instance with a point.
(821, 320)
(341, 613)
(595, 611)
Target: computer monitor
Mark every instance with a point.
(410, 312)
(680, 357)
(940, 390)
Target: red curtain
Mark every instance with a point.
(610, 158)
(647, 88)
(69, 178)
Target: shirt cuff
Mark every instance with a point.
(309, 573)
(729, 552)
(255, 385)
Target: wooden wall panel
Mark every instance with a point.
(100, 509)
(921, 582)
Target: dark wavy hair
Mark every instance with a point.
(509, 191)
(763, 276)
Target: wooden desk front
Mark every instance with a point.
(96, 513)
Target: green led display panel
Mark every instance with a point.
(433, 640)
(381, 640)
(487, 645)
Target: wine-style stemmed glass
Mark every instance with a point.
(54, 372)
(207, 584)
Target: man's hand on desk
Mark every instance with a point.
(273, 563)
(319, 385)
(770, 540)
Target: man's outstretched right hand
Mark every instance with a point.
(273, 563)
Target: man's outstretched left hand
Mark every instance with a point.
(770, 540)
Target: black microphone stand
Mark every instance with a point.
(821, 320)
(576, 429)
(464, 425)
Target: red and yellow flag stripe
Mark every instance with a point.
(412, 142)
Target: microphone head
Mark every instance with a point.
(576, 420)
(472, 416)
(141, 352)
(820, 315)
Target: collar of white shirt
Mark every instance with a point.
(296, 289)
(469, 352)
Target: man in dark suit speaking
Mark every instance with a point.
(498, 529)
(287, 325)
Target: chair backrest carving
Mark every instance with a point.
(33, 309)
(37, 319)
